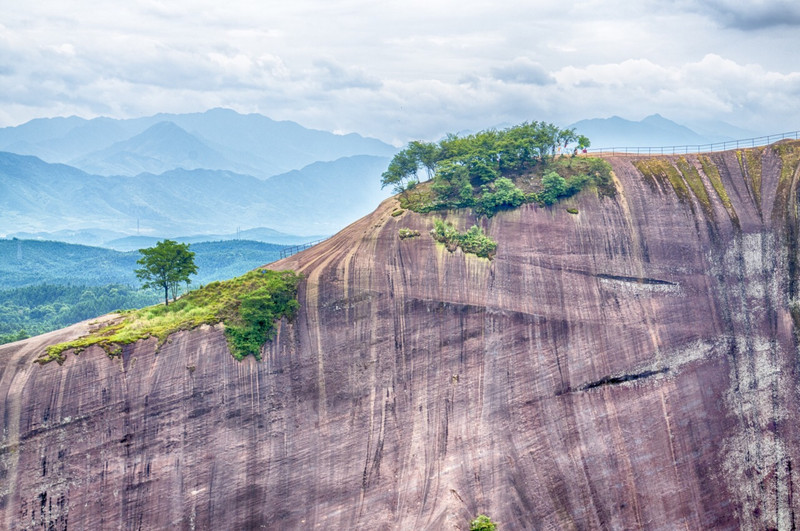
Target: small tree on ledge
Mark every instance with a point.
(165, 266)
(482, 523)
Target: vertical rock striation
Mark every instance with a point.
(631, 366)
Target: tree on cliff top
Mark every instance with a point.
(166, 266)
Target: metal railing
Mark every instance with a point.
(289, 251)
(698, 148)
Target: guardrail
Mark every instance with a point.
(698, 148)
(289, 251)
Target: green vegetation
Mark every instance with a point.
(482, 523)
(398, 212)
(661, 171)
(750, 163)
(247, 305)
(789, 153)
(495, 170)
(473, 241)
(34, 310)
(405, 233)
(49, 285)
(711, 171)
(692, 178)
(572, 210)
(165, 266)
(30, 262)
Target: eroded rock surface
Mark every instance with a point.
(631, 366)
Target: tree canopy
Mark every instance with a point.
(482, 170)
(486, 154)
(165, 266)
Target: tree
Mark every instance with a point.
(553, 187)
(402, 167)
(424, 154)
(165, 266)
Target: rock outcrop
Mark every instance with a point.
(634, 365)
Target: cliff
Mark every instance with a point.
(633, 365)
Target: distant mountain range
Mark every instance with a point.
(121, 241)
(320, 199)
(219, 139)
(209, 174)
(655, 130)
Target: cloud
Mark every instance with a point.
(405, 70)
(333, 76)
(524, 71)
(754, 14)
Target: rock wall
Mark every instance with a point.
(633, 365)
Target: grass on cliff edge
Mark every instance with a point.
(248, 306)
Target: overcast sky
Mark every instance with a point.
(399, 70)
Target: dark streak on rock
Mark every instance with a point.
(616, 380)
(637, 280)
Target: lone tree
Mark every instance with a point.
(165, 266)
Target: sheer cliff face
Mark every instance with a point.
(630, 366)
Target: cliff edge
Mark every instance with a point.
(631, 365)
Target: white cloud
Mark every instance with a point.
(397, 71)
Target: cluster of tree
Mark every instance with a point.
(34, 310)
(483, 156)
(479, 170)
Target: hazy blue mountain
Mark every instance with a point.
(320, 199)
(654, 130)
(322, 189)
(92, 237)
(251, 143)
(162, 147)
(260, 234)
(719, 131)
(281, 143)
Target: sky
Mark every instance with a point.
(415, 69)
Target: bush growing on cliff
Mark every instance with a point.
(405, 233)
(474, 241)
(502, 194)
(554, 187)
(482, 523)
(247, 305)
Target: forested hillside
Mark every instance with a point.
(48, 285)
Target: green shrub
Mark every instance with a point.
(572, 210)
(501, 194)
(407, 233)
(554, 187)
(482, 523)
(474, 241)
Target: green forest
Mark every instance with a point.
(48, 285)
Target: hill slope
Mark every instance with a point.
(319, 199)
(629, 366)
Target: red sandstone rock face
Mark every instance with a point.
(631, 366)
